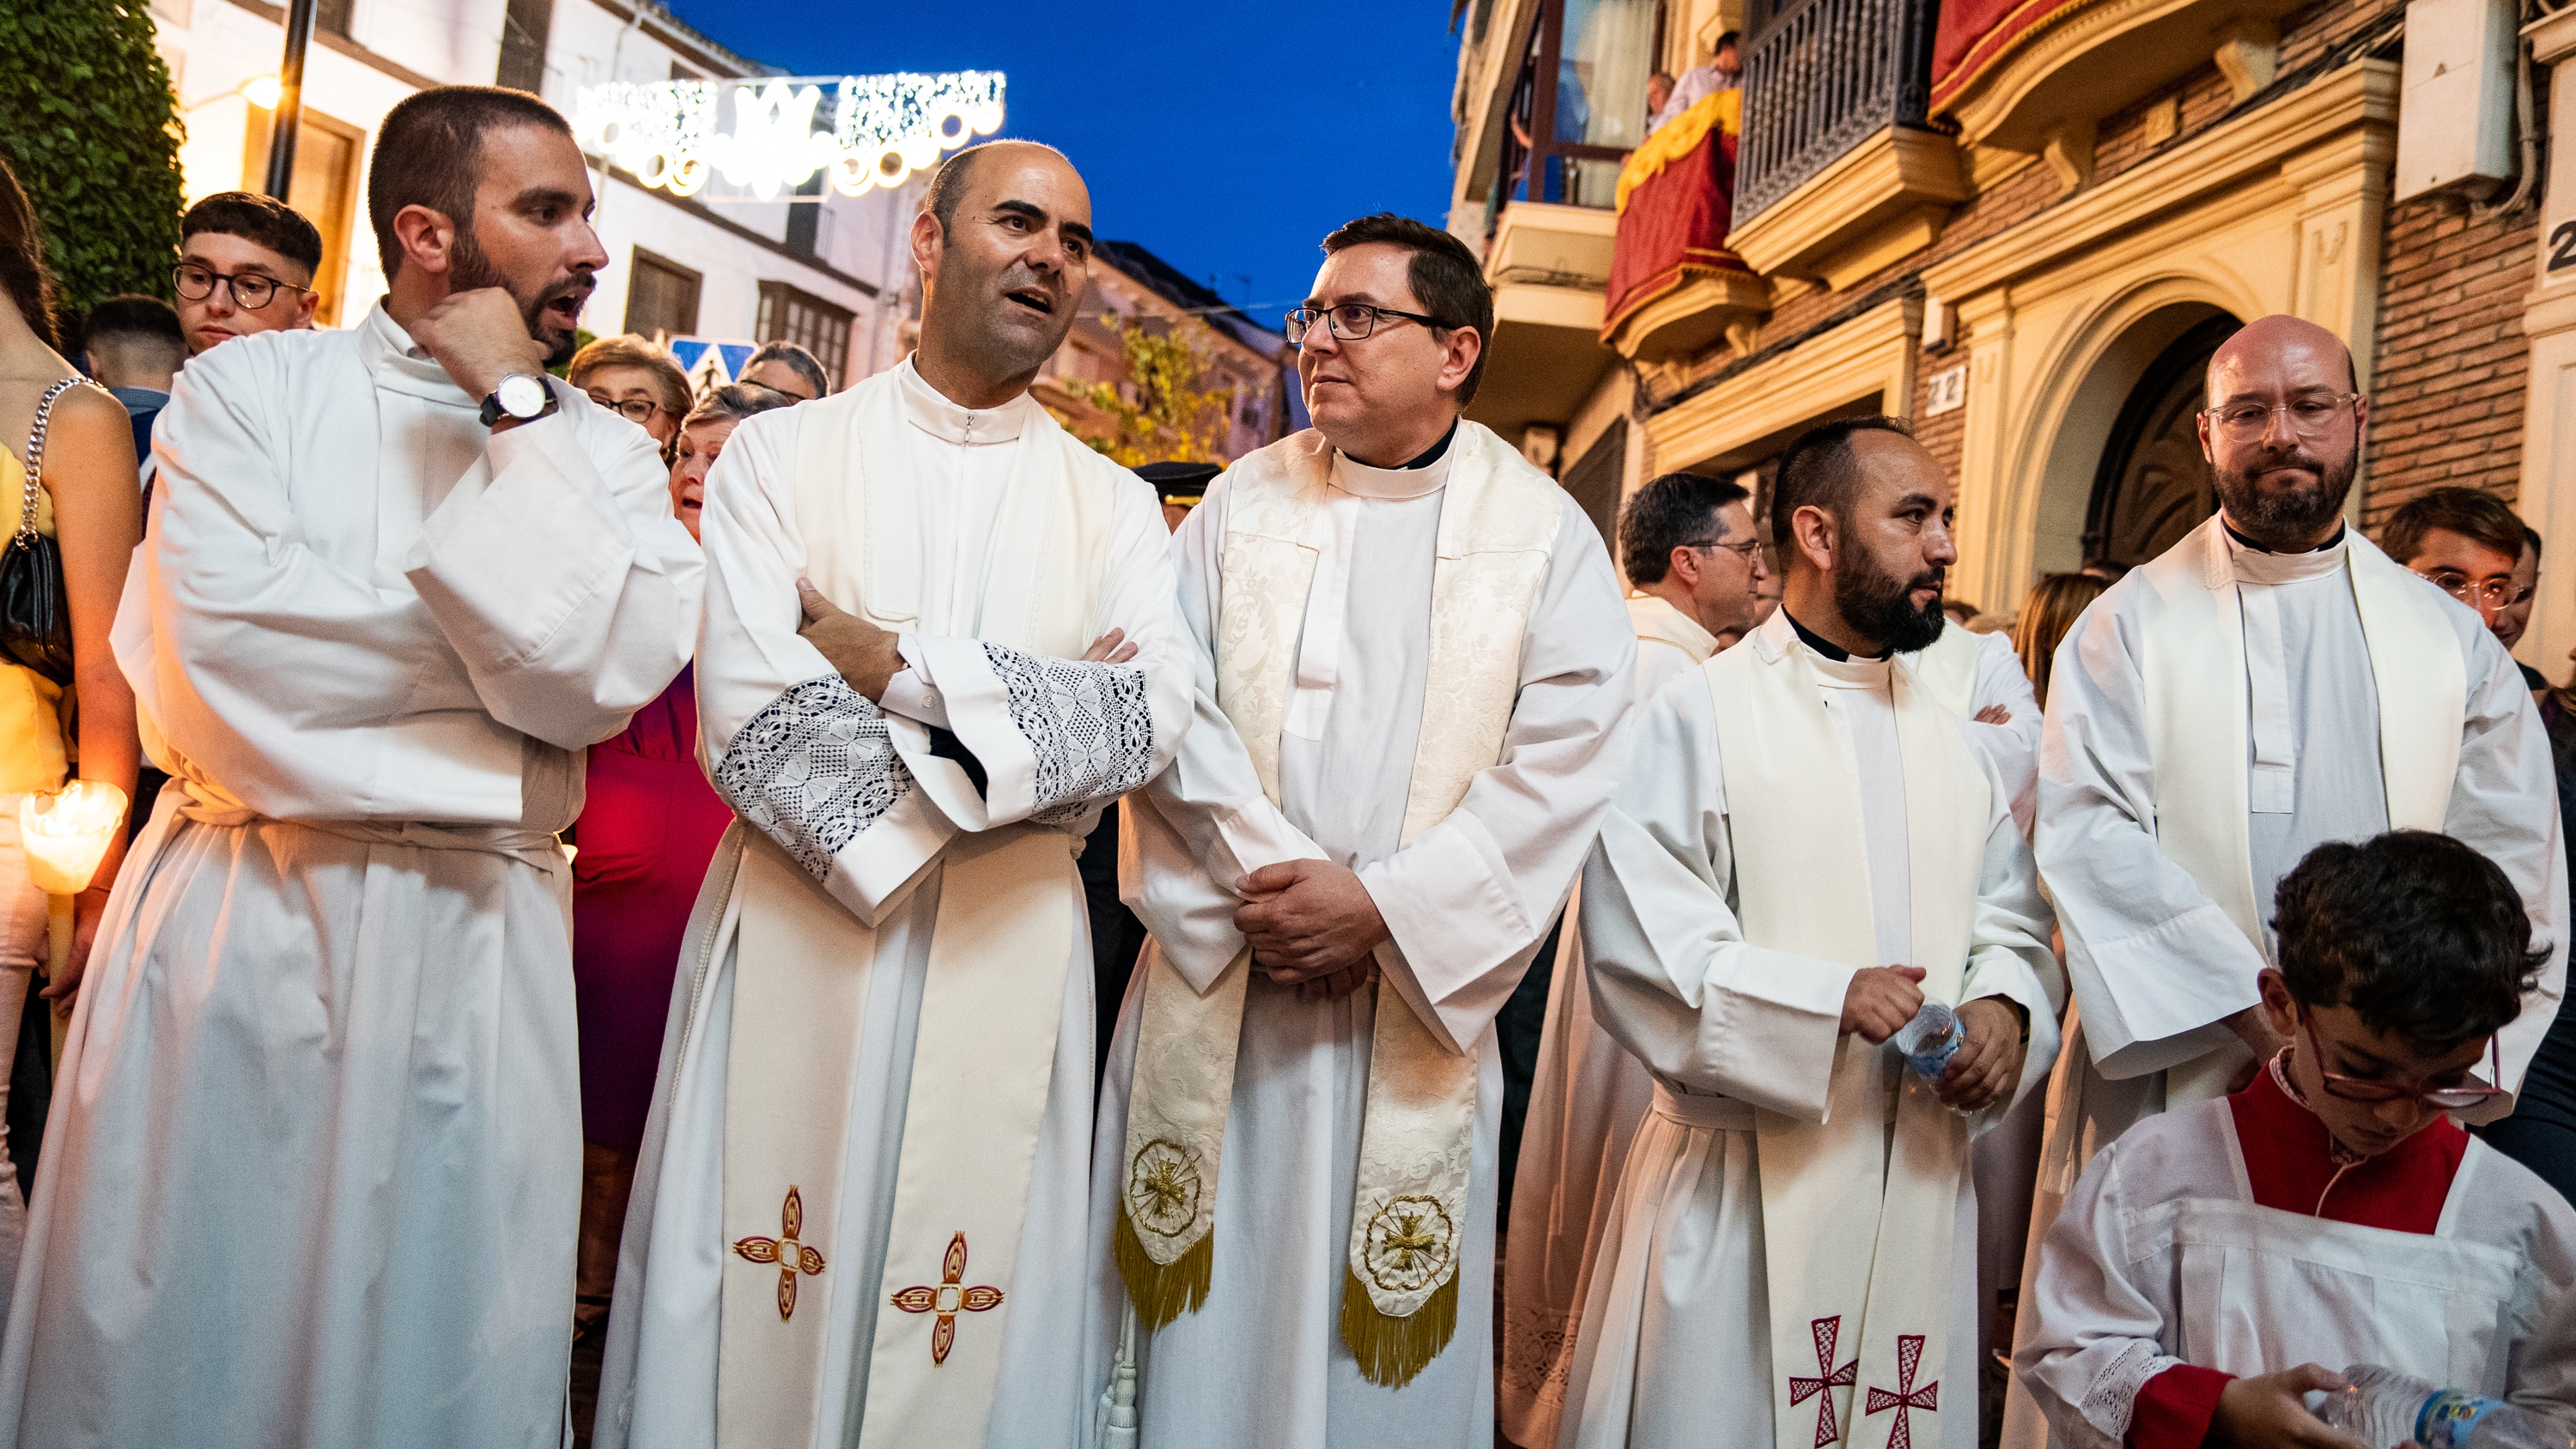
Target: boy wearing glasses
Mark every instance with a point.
(246, 265)
(2215, 1264)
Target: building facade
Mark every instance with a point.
(1239, 359)
(811, 270)
(2025, 227)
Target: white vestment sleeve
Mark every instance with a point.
(1672, 977)
(1205, 823)
(1467, 899)
(561, 579)
(2156, 966)
(2009, 955)
(2505, 804)
(2099, 1337)
(2014, 744)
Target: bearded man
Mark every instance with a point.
(1807, 849)
(2272, 683)
(858, 1211)
(316, 1162)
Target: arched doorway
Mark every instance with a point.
(2152, 485)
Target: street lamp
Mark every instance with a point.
(290, 99)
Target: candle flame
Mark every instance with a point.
(66, 834)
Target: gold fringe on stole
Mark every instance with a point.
(1160, 1291)
(1392, 1350)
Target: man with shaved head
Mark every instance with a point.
(940, 638)
(2272, 683)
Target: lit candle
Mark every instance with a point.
(66, 834)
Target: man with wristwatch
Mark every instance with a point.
(317, 1183)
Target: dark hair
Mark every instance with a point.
(1671, 511)
(1734, 38)
(2047, 616)
(131, 314)
(1444, 275)
(23, 273)
(737, 400)
(1819, 471)
(2472, 513)
(254, 218)
(948, 183)
(429, 152)
(2420, 934)
(799, 361)
(2531, 535)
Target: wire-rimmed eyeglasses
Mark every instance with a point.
(2311, 417)
(1348, 322)
(250, 290)
(2440, 1099)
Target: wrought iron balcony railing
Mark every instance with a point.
(1822, 76)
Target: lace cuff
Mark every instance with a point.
(1088, 726)
(2111, 1399)
(813, 769)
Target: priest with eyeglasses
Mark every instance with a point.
(2271, 683)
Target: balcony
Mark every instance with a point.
(2036, 77)
(1839, 172)
(1548, 265)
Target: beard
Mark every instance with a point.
(2284, 515)
(471, 269)
(1874, 603)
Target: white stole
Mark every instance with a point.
(2202, 738)
(984, 1049)
(1498, 523)
(1857, 1222)
(1947, 669)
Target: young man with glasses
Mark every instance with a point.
(1413, 673)
(2216, 1264)
(2273, 682)
(2471, 546)
(246, 265)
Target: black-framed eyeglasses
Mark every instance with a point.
(636, 410)
(2312, 417)
(250, 290)
(2439, 1099)
(1348, 322)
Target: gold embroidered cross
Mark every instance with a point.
(791, 1256)
(1162, 1182)
(947, 1300)
(1409, 1238)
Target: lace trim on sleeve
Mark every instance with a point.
(813, 769)
(1088, 725)
(2113, 1395)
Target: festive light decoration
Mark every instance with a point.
(66, 834)
(881, 128)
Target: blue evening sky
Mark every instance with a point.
(1225, 138)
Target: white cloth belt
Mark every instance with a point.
(1691, 1109)
(530, 847)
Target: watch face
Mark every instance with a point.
(522, 396)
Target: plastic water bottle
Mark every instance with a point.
(2384, 1407)
(1930, 1040)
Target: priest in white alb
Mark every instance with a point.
(1806, 850)
(1413, 678)
(1695, 565)
(858, 1213)
(314, 1168)
(2271, 683)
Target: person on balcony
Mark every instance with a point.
(1723, 71)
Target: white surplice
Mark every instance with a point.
(314, 1163)
(2163, 1256)
(2155, 964)
(1262, 1365)
(1586, 1099)
(1675, 1346)
(771, 708)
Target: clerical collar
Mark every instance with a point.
(2254, 564)
(930, 410)
(1426, 474)
(1824, 646)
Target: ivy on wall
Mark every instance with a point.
(89, 122)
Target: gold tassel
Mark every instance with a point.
(1392, 1350)
(1163, 1291)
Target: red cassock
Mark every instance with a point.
(1676, 205)
(648, 827)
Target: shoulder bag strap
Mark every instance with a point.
(36, 460)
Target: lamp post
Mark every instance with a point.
(290, 99)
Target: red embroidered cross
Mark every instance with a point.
(1909, 1354)
(791, 1256)
(1827, 1330)
(952, 1277)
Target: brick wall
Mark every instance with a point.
(2447, 380)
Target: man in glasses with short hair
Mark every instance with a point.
(2272, 683)
(246, 265)
(2335, 1187)
(2472, 547)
